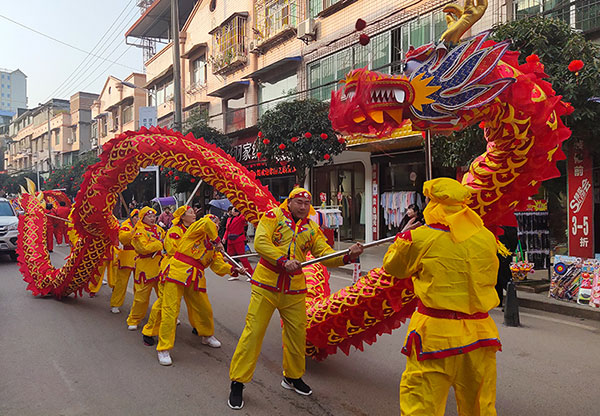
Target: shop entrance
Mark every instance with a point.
(343, 186)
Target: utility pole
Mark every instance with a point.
(428, 162)
(49, 140)
(176, 65)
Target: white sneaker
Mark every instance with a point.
(132, 327)
(248, 279)
(178, 321)
(164, 358)
(114, 309)
(211, 341)
(233, 278)
(104, 282)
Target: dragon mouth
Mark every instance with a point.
(388, 95)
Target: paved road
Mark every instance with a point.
(73, 357)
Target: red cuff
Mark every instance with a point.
(281, 261)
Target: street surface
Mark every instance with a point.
(73, 357)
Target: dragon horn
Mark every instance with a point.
(23, 191)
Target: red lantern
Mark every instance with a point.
(282, 146)
(360, 25)
(326, 156)
(192, 180)
(364, 39)
(576, 65)
(308, 135)
(176, 178)
(260, 134)
(266, 141)
(323, 136)
(294, 139)
(258, 155)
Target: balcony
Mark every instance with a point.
(229, 45)
(276, 21)
(229, 61)
(235, 119)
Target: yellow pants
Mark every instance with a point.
(108, 266)
(201, 314)
(292, 309)
(153, 325)
(141, 299)
(120, 287)
(425, 384)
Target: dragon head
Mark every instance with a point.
(436, 85)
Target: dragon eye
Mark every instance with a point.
(349, 92)
(410, 66)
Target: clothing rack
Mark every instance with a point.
(327, 211)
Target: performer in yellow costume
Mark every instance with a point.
(147, 242)
(451, 340)
(283, 238)
(183, 217)
(125, 262)
(197, 250)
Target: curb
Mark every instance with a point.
(559, 307)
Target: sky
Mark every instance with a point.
(57, 71)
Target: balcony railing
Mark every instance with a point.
(229, 45)
(274, 18)
(231, 59)
(580, 14)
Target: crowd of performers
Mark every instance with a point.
(452, 261)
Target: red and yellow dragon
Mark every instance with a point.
(446, 86)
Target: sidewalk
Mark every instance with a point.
(532, 293)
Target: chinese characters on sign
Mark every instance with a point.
(245, 152)
(375, 205)
(581, 203)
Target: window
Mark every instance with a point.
(127, 114)
(278, 91)
(169, 91)
(229, 45)
(273, 16)
(587, 15)
(317, 6)
(57, 137)
(199, 71)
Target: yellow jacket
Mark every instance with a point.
(277, 240)
(147, 243)
(448, 276)
(196, 252)
(173, 238)
(126, 256)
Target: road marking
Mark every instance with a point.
(63, 375)
(559, 321)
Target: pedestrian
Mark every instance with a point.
(165, 219)
(451, 340)
(225, 220)
(235, 236)
(148, 244)
(183, 217)
(510, 241)
(283, 238)
(413, 219)
(50, 224)
(62, 211)
(125, 261)
(199, 249)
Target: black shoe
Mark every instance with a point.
(194, 331)
(148, 341)
(236, 397)
(296, 384)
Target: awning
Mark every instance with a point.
(164, 74)
(282, 64)
(229, 89)
(101, 115)
(388, 145)
(156, 20)
(125, 101)
(196, 48)
(230, 18)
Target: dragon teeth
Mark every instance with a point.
(400, 95)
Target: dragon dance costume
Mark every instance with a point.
(279, 238)
(125, 262)
(451, 340)
(147, 242)
(172, 239)
(184, 277)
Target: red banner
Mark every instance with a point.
(581, 202)
(375, 204)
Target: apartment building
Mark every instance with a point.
(50, 135)
(117, 107)
(240, 58)
(13, 90)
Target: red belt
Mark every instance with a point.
(277, 269)
(446, 314)
(189, 260)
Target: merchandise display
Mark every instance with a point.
(534, 235)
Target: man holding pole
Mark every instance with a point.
(451, 340)
(283, 238)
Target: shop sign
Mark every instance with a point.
(581, 202)
(537, 205)
(245, 152)
(375, 204)
(282, 170)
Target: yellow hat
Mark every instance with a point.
(448, 206)
(299, 193)
(144, 211)
(178, 213)
(134, 213)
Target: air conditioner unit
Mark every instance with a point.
(307, 30)
(70, 140)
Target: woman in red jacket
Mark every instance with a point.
(235, 236)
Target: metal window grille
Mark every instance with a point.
(275, 16)
(229, 44)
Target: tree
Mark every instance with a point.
(298, 133)
(70, 177)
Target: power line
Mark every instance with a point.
(88, 55)
(64, 43)
(81, 77)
